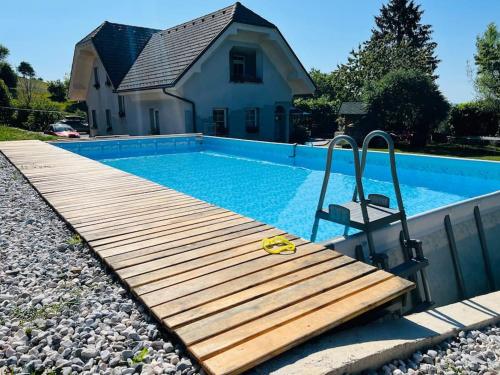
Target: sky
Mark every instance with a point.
(321, 32)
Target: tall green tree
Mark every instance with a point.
(27, 87)
(400, 23)
(487, 59)
(26, 70)
(399, 41)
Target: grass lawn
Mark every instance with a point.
(14, 134)
(456, 150)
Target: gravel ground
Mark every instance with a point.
(474, 352)
(60, 312)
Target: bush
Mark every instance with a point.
(474, 119)
(406, 102)
(323, 114)
(4, 102)
(57, 90)
(8, 75)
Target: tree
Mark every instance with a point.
(27, 84)
(8, 75)
(26, 70)
(398, 41)
(399, 24)
(405, 102)
(487, 59)
(4, 102)
(58, 91)
(4, 52)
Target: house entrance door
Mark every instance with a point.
(154, 121)
(280, 124)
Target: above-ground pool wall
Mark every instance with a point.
(430, 229)
(130, 147)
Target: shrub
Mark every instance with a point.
(5, 114)
(8, 75)
(323, 114)
(474, 119)
(406, 102)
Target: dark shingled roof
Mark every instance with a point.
(170, 53)
(352, 108)
(118, 47)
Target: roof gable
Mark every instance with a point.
(118, 46)
(170, 53)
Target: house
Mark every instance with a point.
(228, 73)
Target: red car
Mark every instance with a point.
(62, 130)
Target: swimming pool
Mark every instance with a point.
(279, 184)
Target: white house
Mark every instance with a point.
(228, 73)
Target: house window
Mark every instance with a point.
(238, 68)
(220, 120)
(154, 121)
(96, 78)
(109, 127)
(121, 106)
(252, 120)
(243, 65)
(94, 119)
(108, 81)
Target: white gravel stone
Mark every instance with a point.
(59, 309)
(475, 352)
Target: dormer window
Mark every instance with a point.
(243, 65)
(96, 78)
(238, 68)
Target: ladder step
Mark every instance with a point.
(410, 267)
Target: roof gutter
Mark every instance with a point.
(193, 105)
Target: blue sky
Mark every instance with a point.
(322, 32)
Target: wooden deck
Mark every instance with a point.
(199, 268)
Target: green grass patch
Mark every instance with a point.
(8, 133)
(140, 356)
(455, 150)
(29, 314)
(74, 240)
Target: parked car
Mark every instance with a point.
(62, 130)
(76, 122)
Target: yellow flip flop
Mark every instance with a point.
(278, 245)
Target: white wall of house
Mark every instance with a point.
(210, 87)
(102, 99)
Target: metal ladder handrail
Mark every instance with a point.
(394, 174)
(359, 186)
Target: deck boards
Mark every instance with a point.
(200, 269)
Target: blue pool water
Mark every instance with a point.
(268, 185)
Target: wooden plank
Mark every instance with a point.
(230, 258)
(180, 297)
(160, 227)
(130, 245)
(151, 222)
(194, 241)
(252, 292)
(244, 332)
(271, 343)
(269, 303)
(116, 214)
(213, 244)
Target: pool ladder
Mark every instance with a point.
(374, 212)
